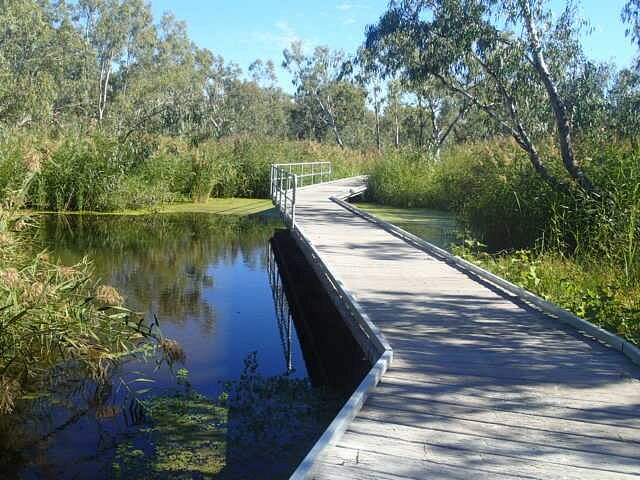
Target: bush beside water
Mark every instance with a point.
(54, 315)
(100, 172)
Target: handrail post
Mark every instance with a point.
(293, 209)
(271, 179)
(285, 197)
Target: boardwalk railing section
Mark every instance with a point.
(286, 178)
(283, 312)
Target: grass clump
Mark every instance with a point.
(53, 315)
(102, 172)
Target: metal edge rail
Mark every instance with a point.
(283, 194)
(553, 311)
(380, 348)
(286, 178)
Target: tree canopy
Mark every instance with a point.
(429, 74)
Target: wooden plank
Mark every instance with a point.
(497, 417)
(586, 441)
(482, 385)
(529, 399)
(430, 468)
(624, 391)
(465, 452)
(619, 422)
(444, 463)
(412, 443)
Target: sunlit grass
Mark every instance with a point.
(218, 206)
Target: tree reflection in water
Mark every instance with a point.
(160, 261)
(205, 278)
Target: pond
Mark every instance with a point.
(240, 405)
(435, 226)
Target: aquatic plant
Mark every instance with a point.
(185, 438)
(53, 315)
(259, 427)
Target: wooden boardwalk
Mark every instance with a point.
(481, 385)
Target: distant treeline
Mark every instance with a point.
(109, 64)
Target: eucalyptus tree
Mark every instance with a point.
(504, 57)
(267, 105)
(102, 25)
(219, 112)
(444, 112)
(631, 15)
(38, 62)
(393, 108)
(182, 73)
(327, 99)
(263, 73)
(585, 92)
(164, 90)
(373, 83)
(139, 40)
(624, 105)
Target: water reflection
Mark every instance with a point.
(205, 278)
(282, 309)
(161, 262)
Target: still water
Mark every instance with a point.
(239, 406)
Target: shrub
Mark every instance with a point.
(100, 172)
(54, 315)
(506, 204)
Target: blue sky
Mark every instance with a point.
(244, 30)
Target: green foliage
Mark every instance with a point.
(502, 200)
(492, 189)
(13, 166)
(79, 173)
(100, 172)
(52, 315)
(589, 289)
(402, 179)
(328, 102)
(260, 427)
(631, 16)
(508, 60)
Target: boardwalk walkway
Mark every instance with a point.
(481, 385)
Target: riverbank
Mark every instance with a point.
(217, 206)
(102, 172)
(58, 316)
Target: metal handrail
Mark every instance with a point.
(286, 178)
(284, 316)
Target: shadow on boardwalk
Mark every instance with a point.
(482, 385)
